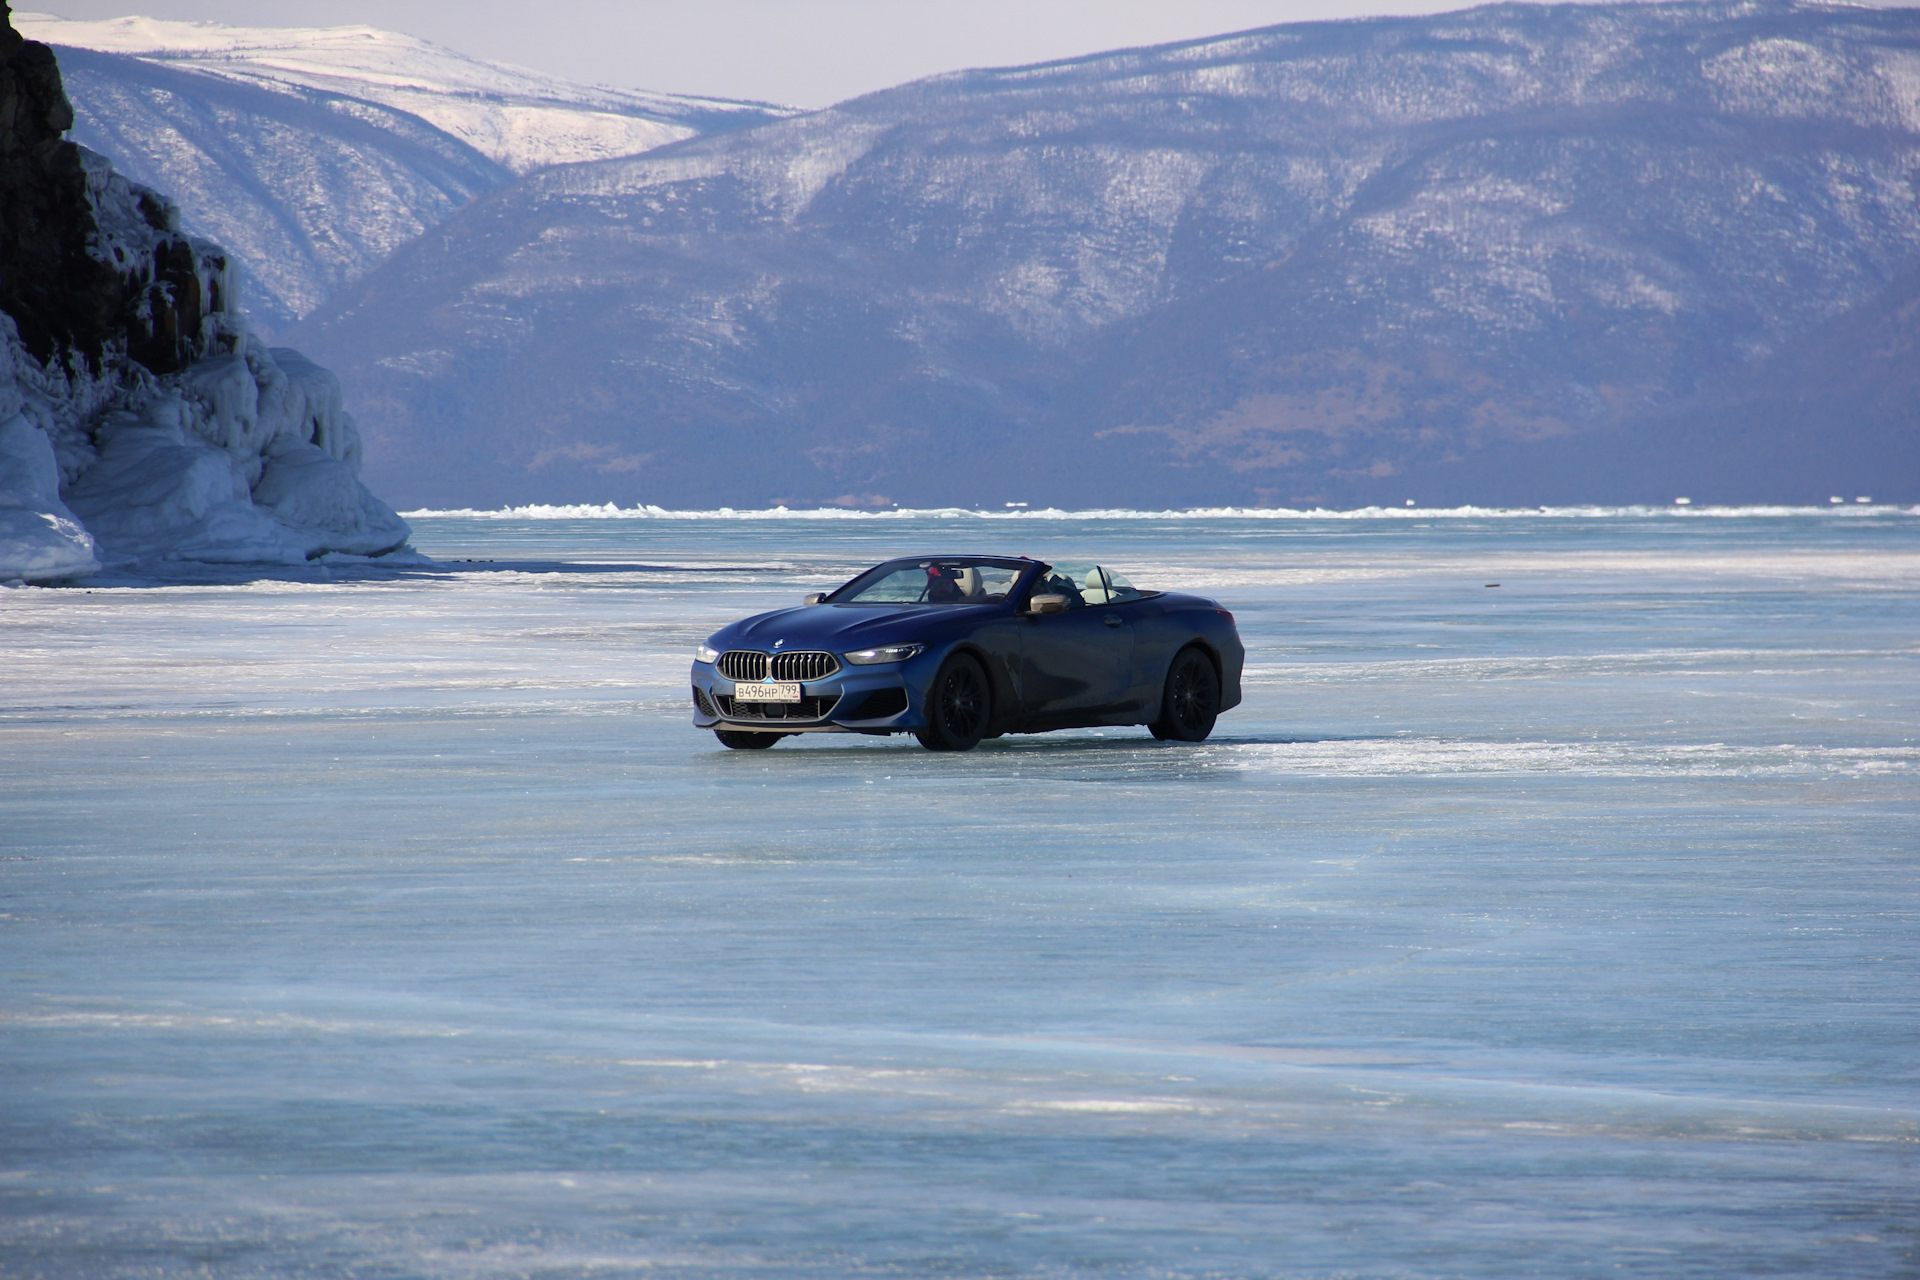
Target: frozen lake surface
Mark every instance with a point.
(397, 923)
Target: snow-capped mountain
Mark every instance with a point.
(314, 153)
(1346, 261)
(518, 118)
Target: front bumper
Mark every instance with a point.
(876, 699)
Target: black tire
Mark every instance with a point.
(959, 703)
(746, 739)
(1190, 700)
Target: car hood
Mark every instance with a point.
(840, 627)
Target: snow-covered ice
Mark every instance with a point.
(373, 919)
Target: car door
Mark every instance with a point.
(1077, 666)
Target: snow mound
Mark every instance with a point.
(39, 537)
(243, 458)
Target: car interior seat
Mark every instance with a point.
(1095, 591)
(969, 582)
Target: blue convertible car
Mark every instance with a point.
(953, 649)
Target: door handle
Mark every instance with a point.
(1112, 621)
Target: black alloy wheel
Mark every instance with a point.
(1191, 701)
(957, 706)
(746, 739)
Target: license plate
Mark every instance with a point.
(766, 693)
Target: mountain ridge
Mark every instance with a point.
(468, 98)
(1330, 262)
(312, 153)
(394, 177)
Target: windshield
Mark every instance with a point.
(937, 580)
(1085, 584)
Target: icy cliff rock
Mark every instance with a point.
(140, 420)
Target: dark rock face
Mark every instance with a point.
(1336, 262)
(163, 321)
(58, 294)
(68, 287)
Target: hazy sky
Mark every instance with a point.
(804, 52)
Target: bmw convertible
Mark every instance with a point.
(954, 649)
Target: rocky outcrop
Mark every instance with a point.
(139, 419)
(73, 280)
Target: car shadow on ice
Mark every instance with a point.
(1122, 742)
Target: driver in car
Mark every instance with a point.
(943, 584)
(1059, 584)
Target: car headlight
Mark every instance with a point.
(884, 653)
(706, 653)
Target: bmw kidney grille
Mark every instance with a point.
(746, 664)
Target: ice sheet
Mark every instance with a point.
(366, 919)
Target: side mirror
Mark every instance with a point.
(1047, 604)
(815, 598)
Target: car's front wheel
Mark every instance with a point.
(1191, 701)
(957, 705)
(746, 739)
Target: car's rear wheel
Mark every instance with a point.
(1190, 702)
(746, 739)
(957, 705)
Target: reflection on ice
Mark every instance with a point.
(392, 920)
